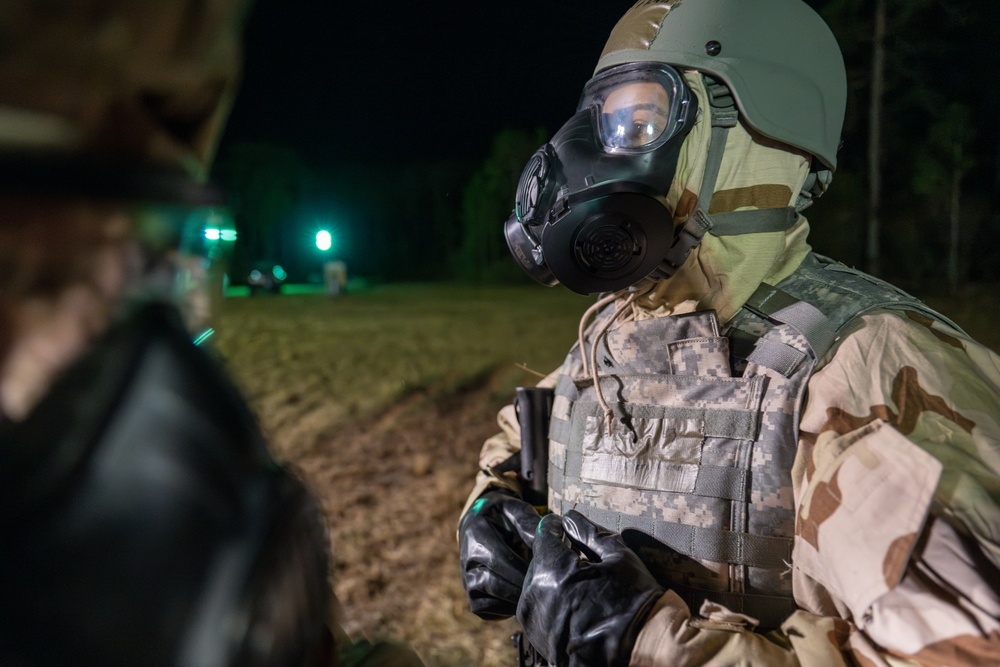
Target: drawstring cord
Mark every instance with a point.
(603, 301)
(608, 413)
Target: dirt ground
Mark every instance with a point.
(393, 485)
(393, 488)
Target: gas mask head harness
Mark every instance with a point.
(590, 211)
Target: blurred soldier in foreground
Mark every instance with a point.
(144, 521)
(756, 455)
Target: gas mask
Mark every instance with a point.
(589, 210)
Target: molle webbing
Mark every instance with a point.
(818, 300)
(721, 423)
(725, 484)
(773, 553)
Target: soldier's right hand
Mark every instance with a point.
(495, 538)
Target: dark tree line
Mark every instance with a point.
(915, 197)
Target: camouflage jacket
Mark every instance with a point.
(896, 556)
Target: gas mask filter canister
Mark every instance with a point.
(589, 211)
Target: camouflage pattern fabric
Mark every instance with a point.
(897, 501)
(693, 470)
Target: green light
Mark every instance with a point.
(216, 234)
(279, 272)
(324, 240)
(205, 335)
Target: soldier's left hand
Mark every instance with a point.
(586, 594)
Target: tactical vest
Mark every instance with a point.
(695, 468)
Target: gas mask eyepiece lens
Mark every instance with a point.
(638, 106)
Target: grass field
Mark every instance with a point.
(381, 400)
(345, 358)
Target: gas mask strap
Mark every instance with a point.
(754, 221)
(724, 116)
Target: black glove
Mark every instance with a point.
(586, 594)
(494, 540)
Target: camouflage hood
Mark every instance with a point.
(756, 173)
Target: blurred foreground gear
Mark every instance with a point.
(148, 523)
(149, 81)
(378, 654)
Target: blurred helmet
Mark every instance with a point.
(148, 82)
(778, 57)
(120, 103)
(151, 524)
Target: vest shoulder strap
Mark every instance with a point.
(823, 296)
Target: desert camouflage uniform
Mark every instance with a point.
(891, 483)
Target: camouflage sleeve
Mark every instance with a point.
(897, 491)
(673, 638)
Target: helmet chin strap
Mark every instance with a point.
(724, 116)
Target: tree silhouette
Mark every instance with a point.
(265, 183)
(941, 167)
(488, 201)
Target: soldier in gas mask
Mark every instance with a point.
(144, 520)
(757, 455)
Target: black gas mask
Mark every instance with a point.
(589, 211)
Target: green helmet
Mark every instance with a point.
(778, 57)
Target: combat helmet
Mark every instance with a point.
(778, 57)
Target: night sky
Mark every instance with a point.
(406, 81)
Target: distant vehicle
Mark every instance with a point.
(266, 276)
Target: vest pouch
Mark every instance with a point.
(669, 471)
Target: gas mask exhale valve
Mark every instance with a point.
(589, 211)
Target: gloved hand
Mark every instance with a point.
(494, 540)
(586, 594)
